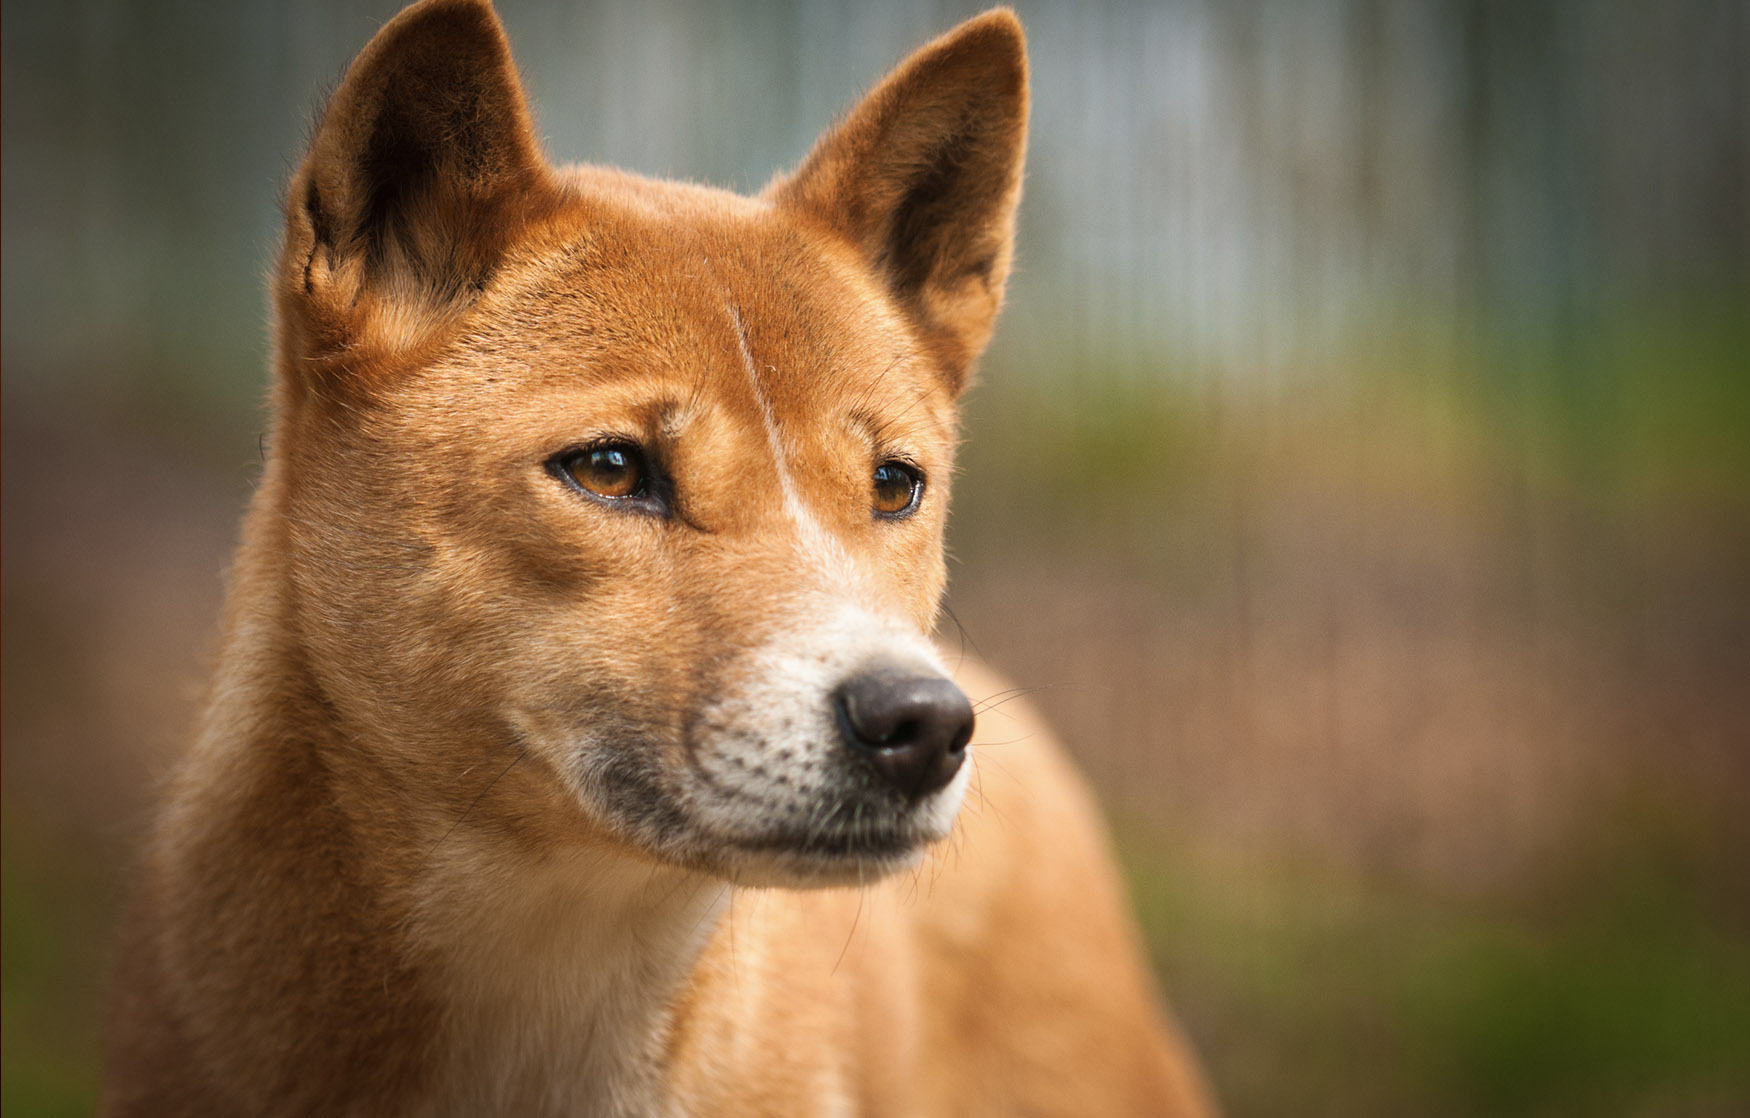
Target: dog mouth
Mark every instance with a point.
(869, 842)
(825, 859)
(836, 829)
(845, 836)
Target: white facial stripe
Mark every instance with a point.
(793, 506)
(817, 543)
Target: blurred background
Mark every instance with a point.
(1361, 476)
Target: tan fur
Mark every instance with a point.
(508, 800)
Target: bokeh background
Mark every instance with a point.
(1361, 477)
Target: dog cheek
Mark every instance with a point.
(618, 668)
(918, 572)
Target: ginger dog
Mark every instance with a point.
(576, 746)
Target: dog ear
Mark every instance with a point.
(423, 168)
(924, 176)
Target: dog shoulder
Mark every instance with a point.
(1026, 919)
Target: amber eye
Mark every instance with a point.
(898, 487)
(611, 470)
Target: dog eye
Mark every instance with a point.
(898, 487)
(612, 470)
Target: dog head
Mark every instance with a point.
(638, 487)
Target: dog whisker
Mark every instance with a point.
(993, 701)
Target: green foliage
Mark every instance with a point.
(1608, 1017)
(50, 926)
(1358, 997)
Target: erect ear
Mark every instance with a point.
(924, 176)
(423, 168)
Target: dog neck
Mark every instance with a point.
(559, 976)
(553, 966)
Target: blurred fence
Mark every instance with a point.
(1215, 189)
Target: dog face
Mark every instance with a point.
(635, 487)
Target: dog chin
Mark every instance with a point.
(777, 868)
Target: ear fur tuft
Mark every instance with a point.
(923, 176)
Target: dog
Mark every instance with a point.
(575, 744)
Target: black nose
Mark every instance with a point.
(911, 729)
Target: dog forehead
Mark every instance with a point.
(706, 294)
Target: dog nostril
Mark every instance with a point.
(911, 730)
